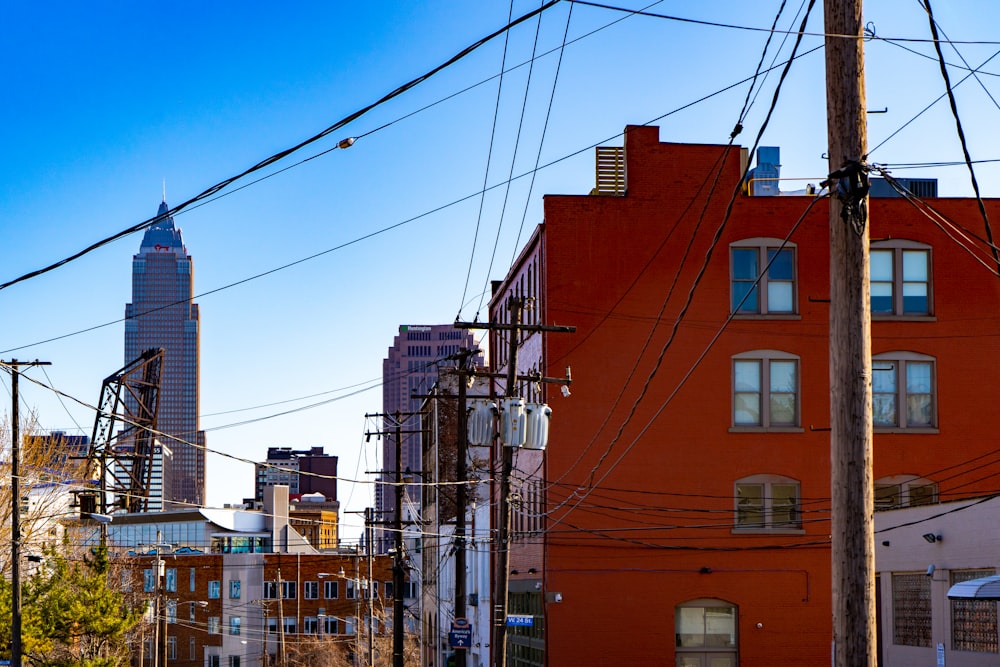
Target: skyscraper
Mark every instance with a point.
(411, 369)
(162, 314)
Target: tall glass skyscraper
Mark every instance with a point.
(162, 314)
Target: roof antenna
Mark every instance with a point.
(164, 190)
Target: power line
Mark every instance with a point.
(284, 153)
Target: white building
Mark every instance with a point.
(920, 553)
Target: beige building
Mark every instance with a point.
(920, 552)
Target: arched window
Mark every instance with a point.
(904, 491)
(705, 633)
(765, 389)
(762, 275)
(903, 391)
(900, 279)
(767, 503)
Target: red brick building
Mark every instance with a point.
(680, 514)
(230, 610)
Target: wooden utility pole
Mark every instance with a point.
(15, 511)
(853, 541)
(398, 573)
(516, 305)
(461, 500)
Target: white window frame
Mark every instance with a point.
(899, 247)
(331, 587)
(903, 361)
(766, 508)
(905, 487)
(765, 358)
(310, 590)
(761, 282)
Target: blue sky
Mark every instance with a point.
(105, 102)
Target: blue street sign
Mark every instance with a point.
(460, 637)
(520, 620)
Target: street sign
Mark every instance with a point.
(460, 638)
(520, 620)
(460, 623)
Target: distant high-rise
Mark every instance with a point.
(162, 314)
(411, 369)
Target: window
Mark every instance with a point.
(234, 661)
(191, 580)
(288, 590)
(171, 648)
(234, 589)
(289, 625)
(770, 293)
(213, 625)
(705, 633)
(374, 589)
(192, 649)
(911, 610)
(973, 622)
(767, 502)
(171, 580)
(213, 661)
(349, 625)
(272, 626)
(903, 391)
(330, 625)
(388, 590)
(148, 581)
(270, 590)
(900, 278)
(330, 590)
(234, 625)
(349, 586)
(765, 389)
(310, 625)
(310, 590)
(171, 611)
(904, 491)
(214, 590)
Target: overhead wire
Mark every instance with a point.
(958, 127)
(489, 161)
(717, 169)
(276, 157)
(513, 163)
(406, 221)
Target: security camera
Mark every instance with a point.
(930, 570)
(565, 391)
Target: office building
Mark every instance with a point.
(409, 370)
(163, 314)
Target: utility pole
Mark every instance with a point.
(15, 510)
(853, 541)
(397, 560)
(515, 306)
(461, 500)
(369, 534)
(398, 566)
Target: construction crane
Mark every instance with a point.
(123, 460)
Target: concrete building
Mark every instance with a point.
(921, 552)
(162, 314)
(409, 370)
(682, 505)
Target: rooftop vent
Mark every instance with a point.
(610, 171)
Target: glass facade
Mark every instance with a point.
(162, 314)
